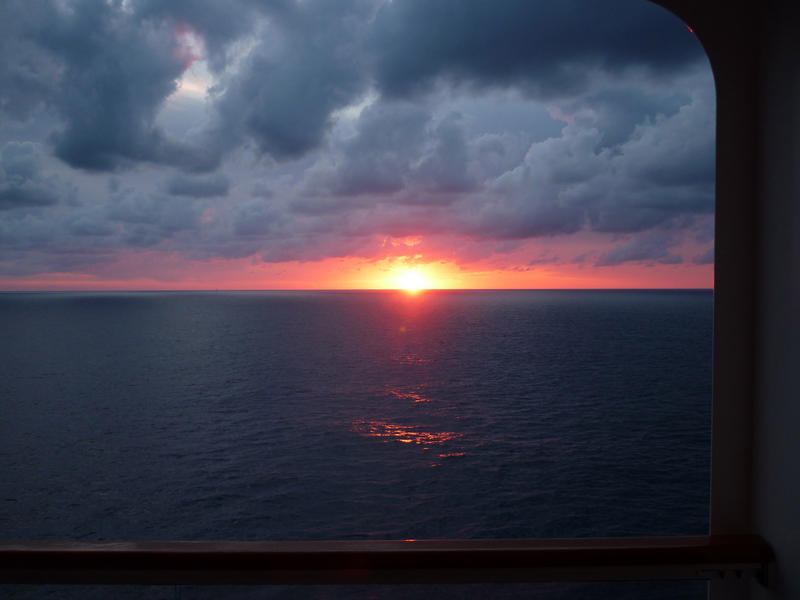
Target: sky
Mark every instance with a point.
(296, 144)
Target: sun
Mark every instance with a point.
(411, 280)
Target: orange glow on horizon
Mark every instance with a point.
(154, 270)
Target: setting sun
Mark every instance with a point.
(412, 281)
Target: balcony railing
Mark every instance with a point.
(409, 561)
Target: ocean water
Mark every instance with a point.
(356, 415)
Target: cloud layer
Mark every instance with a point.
(303, 130)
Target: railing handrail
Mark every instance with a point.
(384, 561)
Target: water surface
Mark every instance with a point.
(354, 415)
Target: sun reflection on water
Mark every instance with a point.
(411, 359)
(417, 398)
(405, 434)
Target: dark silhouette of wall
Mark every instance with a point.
(754, 50)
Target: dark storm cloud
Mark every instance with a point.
(549, 48)
(444, 169)
(147, 219)
(376, 159)
(345, 122)
(261, 190)
(522, 218)
(198, 186)
(617, 112)
(575, 181)
(26, 231)
(219, 24)
(107, 68)
(84, 226)
(19, 161)
(651, 247)
(25, 193)
(396, 147)
(306, 67)
(27, 71)
(378, 175)
(21, 182)
(255, 218)
(117, 72)
(35, 261)
(104, 72)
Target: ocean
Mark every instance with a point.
(355, 415)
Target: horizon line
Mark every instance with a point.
(215, 290)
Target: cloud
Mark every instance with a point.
(616, 110)
(148, 219)
(377, 159)
(21, 183)
(117, 73)
(542, 260)
(107, 68)
(330, 127)
(218, 24)
(198, 187)
(27, 71)
(706, 258)
(549, 49)
(396, 147)
(255, 219)
(105, 73)
(664, 171)
(307, 65)
(370, 183)
(444, 168)
(26, 193)
(649, 248)
(86, 226)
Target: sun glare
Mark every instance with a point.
(411, 281)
